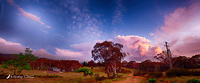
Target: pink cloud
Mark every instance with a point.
(181, 29)
(10, 47)
(42, 53)
(27, 15)
(67, 52)
(45, 32)
(138, 47)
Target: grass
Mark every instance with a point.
(41, 76)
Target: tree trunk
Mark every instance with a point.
(120, 69)
(107, 70)
(114, 69)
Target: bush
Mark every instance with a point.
(125, 71)
(138, 73)
(86, 71)
(155, 74)
(98, 78)
(182, 72)
(3, 76)
(192, 81)
(152, 80)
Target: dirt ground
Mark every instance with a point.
(130, 79)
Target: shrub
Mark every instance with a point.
(138, 73)
(192, 81)
(155, 74)
(3, 76)
(98, 78)
(86, 71)
(152, 80)
(182, 72)
(195, 73)
(125, 71)
(177, 72)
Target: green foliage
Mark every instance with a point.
(20, 62)
(182, 72)
(192, 81)
(155, 74)
(86, 71)
(152, 80)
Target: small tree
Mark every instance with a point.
(20, 62)
(91, 64)
(85, 71)
(85, 63)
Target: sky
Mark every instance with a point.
(69, 29)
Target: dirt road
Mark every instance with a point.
(130, 79)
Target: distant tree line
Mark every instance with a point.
(150, 66)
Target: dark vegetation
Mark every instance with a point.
(152, 80)
(63, 65)
(182, 72)
(193, 81)
(20, 62)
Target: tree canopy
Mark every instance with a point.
(20, 62)
(110, 53)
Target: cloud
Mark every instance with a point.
(27, 15)
(45, 32)
(85, 48)
(10, 47)
(151, 34)
(117, 18)
(67, 52)
(138, 47)
(84, 22)
(42, 53)
(181, 29)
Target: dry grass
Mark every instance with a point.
(67, 77)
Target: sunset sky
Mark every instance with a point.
(68, 29)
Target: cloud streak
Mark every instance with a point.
(28, 15)
(117, 18)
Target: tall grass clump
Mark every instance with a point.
(182, 72)
(138, 73)
(152, 80)
(155, 74)
(192, 81)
